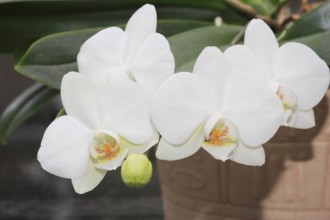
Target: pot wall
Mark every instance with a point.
(294, 184)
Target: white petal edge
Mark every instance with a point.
(140, 148)
(154, 62)
(64, 148)
(170, 152)
(79, 97)
(250, 156)
(222, 153)
(90, 180)
(263, 43)
(289, 118)
(303, 119)
(125, 109)
(142, 23)
(103, 50)
(304, 72)
(178, 107)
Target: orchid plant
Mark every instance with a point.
(133, 89)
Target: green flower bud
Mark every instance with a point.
(136, 170)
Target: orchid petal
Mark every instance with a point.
(213, 70)
(262, 42)
(64, 148)
(178, 107)
(256, 111)
(251, 156)
(140, 148)
(220, 153)
(242, 61)
(90, 180)
(103, 50)
(106, 75)
(289, 118)
(303, 71)
(168, 151)
(79, 97)
(124, 107)
(154, 62)
(142, 23)
(303, 119)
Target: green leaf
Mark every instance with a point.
(61, 113)
(49, 58)
(262, 7)
(186, 51)
(26, 21)
(24, 106)
(21, 29)
(172, 27)
(314, 21)
(320, 43)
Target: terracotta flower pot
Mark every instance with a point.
(294, 184)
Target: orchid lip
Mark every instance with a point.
(289, 100)
(105, 146)
(287, 96)
(210, 123)
(220, 132)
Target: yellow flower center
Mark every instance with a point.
(220, 135)
(287, 97)
(104, 147)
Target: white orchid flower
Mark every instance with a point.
(97, 133)
(138, 53)
(293, 71)
(228, 116)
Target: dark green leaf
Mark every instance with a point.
(48, 59)
(172, 27)
(61, 113)
(315, 21)
(186, 51)
(25, 21)
(262, 7)
(24, 106)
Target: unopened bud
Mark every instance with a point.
(136, 170)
